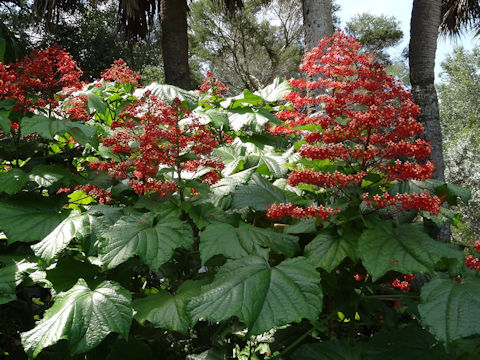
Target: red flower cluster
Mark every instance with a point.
(103, 196)
(153, 138)
(363, 120)
(471, 261)
(405, 201)
(279, 211)
(404, 284)
(212, 86)
(34, 80)
(120, 73)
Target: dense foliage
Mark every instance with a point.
(269, 225)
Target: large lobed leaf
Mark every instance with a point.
(139, 235)
(29, 220)
(237, 242)
(75, 225)
(11, 275)
(327, 251)
(259, 295)
(451, 310)
(165, 310)
(83, 317)
(405, 248)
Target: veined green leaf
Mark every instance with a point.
(75, 225)
(83, 317)
(260, 296)
(167, 311)
(276, 91)
(328, 251)
(238, 242)
(5, 121)
(451, 310)
(138, 235)
(406, 249)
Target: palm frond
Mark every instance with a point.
(458, 14)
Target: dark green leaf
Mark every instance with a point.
(47, 175)
(258, 196)
(167, 311)
(328, 350)
(5, 121)
(96, 103)
(12, 275)
(406, 249)
(260, 296)
(451, 310)
(411, 342)
(67, 270)
(13, 181)
(235, 243)
(19, 216)
(83, 317)
(327, 251)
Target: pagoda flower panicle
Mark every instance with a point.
(363, 120)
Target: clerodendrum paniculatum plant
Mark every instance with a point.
(221, 229)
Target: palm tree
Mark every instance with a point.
(137, 17)
(425, 22)
(457, 14)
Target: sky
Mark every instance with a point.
(402, 11)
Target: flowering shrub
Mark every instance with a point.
(147, 220)
(365, 123)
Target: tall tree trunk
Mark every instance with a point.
(317, 21)
(423, 45)
(175, 42)
(424, 29)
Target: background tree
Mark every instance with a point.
(251, 48)
(376, 34)
(317, 21)
(459, 94)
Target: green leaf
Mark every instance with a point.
(75, 225)
(227, 185)
(67, 270)
(11, 276)
(258, 196)
(260, 296)
(451, 310)
(327, 350)
(29, 220)
(138, 235)
(235, 243)
(170, 92)
(82, 316)
(250, 119)
(96, 103)
(406, 249)
(410, 342)
(13, 181)
(327, 251)
(47, 175)
(276, 91)
(216, 118)
(48, 128)
(5, 121)
(451, 192)
(167, 311)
